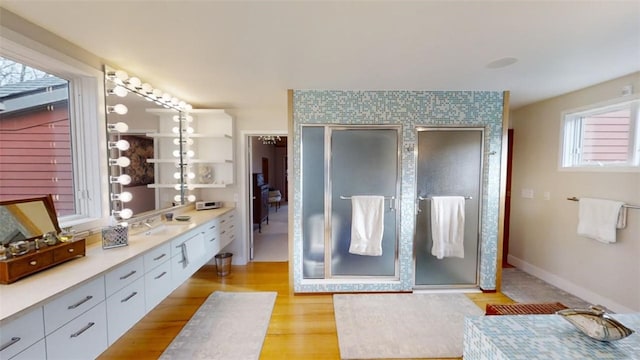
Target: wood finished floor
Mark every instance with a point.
(301, 327)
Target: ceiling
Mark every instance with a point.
(239, 54)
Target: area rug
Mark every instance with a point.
(375, 326)
(228, 325)
(525, 288)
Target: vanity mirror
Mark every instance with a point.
(145, 128)
(31, 240)
(27, 219)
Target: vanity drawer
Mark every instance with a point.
(85, 337)
(124, 309)
(157, 285)
(124, 275)
(21, 332)
(35, 351)
(73, 303)
(157, 256)
(27, 264)
(73, 249)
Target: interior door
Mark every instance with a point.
(449, 163)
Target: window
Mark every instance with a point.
(604, 136)
(50, 135)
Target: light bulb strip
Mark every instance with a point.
(144, 89)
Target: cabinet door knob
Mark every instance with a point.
(33, 263)
(79, 332)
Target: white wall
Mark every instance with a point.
(249, 120)
(543, 239)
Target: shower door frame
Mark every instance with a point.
(482, 185)
(328, 130)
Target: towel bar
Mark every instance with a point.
(629, 206)
(429, 198)
(391, 203)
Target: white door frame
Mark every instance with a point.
(247, 190)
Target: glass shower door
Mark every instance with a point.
(449, 164)
(363, 161)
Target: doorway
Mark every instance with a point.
(267, 172)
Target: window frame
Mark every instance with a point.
(571, 134)
(86, 112)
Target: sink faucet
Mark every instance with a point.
(147, 224)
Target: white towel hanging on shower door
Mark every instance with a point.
(367, 225)
(447, 226)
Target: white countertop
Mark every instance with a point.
(48, 284)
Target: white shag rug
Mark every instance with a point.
(374, 326)
(228, 325)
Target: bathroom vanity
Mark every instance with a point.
(79, 308)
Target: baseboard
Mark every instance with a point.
(568, 286)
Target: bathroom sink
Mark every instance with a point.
(157, 230)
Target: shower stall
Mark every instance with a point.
(449, 163)
(339, 162)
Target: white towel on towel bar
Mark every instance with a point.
(599, 218)
(447, 226)
(367, 225)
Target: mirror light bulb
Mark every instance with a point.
(126, 213)
(175, 130)
(176, 118)
(146, 87)
(177, 187)
(126, 196)
(191, 176)
(119, 127)
(191, 198)
(176, 175)
(122, 75)
(135, 82)
(120, 91)
(124, 179)
(189, 130)
(190, 153)
(122, 145)
(157, 93)
(189, 118)
(188, 107)
(176, 153)
(177, 198)
(119, 109)
(122, 161)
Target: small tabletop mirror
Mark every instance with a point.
(27, 219)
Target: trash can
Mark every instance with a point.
(223, 263)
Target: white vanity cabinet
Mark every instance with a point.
(35, 351)
(83, 320)
(157, 276)
(84, 337)
(211, 233)
(227, 228)
(125, 297)
(72, 326)
(21, 333)
(187, 256)
(72, 304)
(125, 308)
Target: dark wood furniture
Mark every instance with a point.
(260, 201)
(34, 261)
